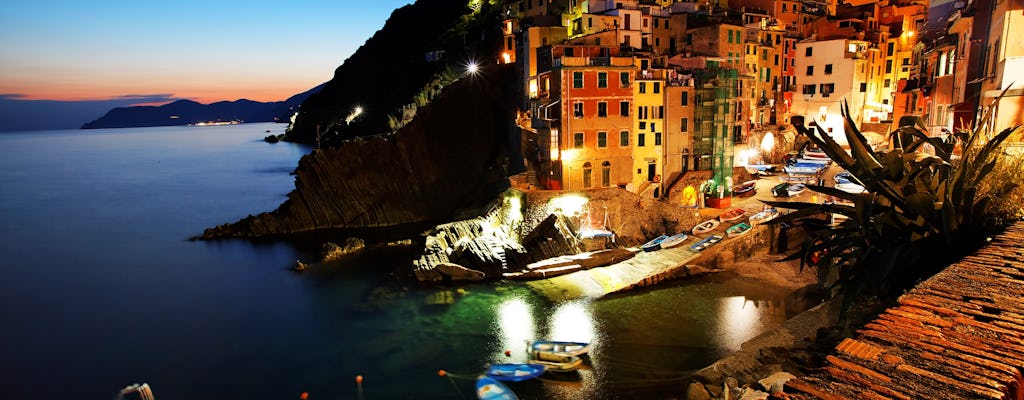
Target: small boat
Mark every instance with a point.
(556, 362)
(562, 265)
(673, 240)
(763, 216)
(738, 229)
(803, 169)
(847, 183)
(489, 389)
(654, 244)
(515, 372)
(705, 227)
(816, 153)
(818, 161)
(745, 189)
(707, 242)
(560, 347)
(786, 189)
(732, 215)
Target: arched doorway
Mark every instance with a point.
(606, 174)
(588, 173)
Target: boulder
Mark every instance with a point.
(696, 391)
(458, 273)
(774, 382)
(333, 252)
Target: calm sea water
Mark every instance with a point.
(100, 288)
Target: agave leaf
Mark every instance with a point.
(985, 170)
(851, 128)
(921, 203)
(860, 149)
(831, 191)
(833, 149)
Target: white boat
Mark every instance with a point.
(846, 182)
(763, 216)
(569, 349)
(803, 169)
(555, 362)
(705, 227)
(707, 242)
(673, 240)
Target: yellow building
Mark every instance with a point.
(649, 128)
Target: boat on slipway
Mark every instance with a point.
(514, 372)
(732, 215)
(490, 389)
(705, 227)
(786, 189)
(707, 242)
(766, 215)
(673, 240)
(654, 244)
(738, 229)
(745, 189)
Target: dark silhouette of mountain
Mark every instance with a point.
(18, 114)
(186, 112)
(417, 41)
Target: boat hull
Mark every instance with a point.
(655, 244)
(707, 242)
(490, 389)
(705, 227)
(515, 372)
(673, 240)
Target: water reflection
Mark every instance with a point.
(515, 328)
(572, 322)
(741, 318)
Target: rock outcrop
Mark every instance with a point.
(453, 157)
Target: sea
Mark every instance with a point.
(101, 287)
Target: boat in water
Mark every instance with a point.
(490, 389)
(572, 349)
(707, 242)
(673, 240)
(738, 229)
(556, 362)
(705, 227)
(515, 372)
(654, 244)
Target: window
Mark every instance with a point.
(827, 88)
(686, 98)
(888, 82)
(624, 79)
(642, 125)
(783, 7)
(808, 51)
(624, 138)
(863, 87)
(590, 22)
(683, 125)
(657, 138)
(776, 59)
(764, 54)
(577, 80)
(689, 38)
(808, 89)
(906, 61)
(602, 80)
(577, 140)
(624, 108)
(606, 173)
(640, 140)
(602, 109)
(657, 87)
(828, 69)
(655, 22)
(888, 66)
(602, 139)
(661, 112)
(654, 126)
(889, 49)
(588, 173)
(577, 110)
(730, 37)
(643, 87)
(810, 70)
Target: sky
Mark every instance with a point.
(151, 52)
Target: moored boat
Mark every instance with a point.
(673, 240)
(763, 216)
(745, 189)
(847, 183)
(561, 347)
(786, 189)
(654, 244)
(803, 169)
(490, 389)
(556, 362)
(738, 229)
(707, 242)
(705, 227)
(731, 215)
(515, 372)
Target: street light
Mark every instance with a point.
(472, 68)
(355, 113)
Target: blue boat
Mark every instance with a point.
(654, 244)
(515, 372)
(490, 389)
(707, 242)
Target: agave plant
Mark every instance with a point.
(918, 211)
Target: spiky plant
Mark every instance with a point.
(919, 211)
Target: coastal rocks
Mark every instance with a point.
(458, 273)
(697, 391)
(273, 138)
(332, 252)
(775, 382)
(446, 161)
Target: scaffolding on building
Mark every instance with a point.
(715, 116)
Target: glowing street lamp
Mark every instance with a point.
(472, 68)
(355, 113)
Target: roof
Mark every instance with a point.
(960, 334)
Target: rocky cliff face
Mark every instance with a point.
(452, 157)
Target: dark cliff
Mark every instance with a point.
(453, 157)
(417, 42)
(187, 112)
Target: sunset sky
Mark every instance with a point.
(200, 50)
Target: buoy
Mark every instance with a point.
(442, 372)
(508, 353)
(359, 379)
(304, 396)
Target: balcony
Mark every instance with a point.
(593, 62)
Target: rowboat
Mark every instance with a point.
(763, 216)
(707, 242)
(654, 244)
(745, 189)
(803, 168)
(555, 362)
(705, 227)
(738, 229)
(673, 240)
(515, 372)
(786, 189)
(732, 215)
(815, 154)
(846, 182)
(560, 347)
(489, 389)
